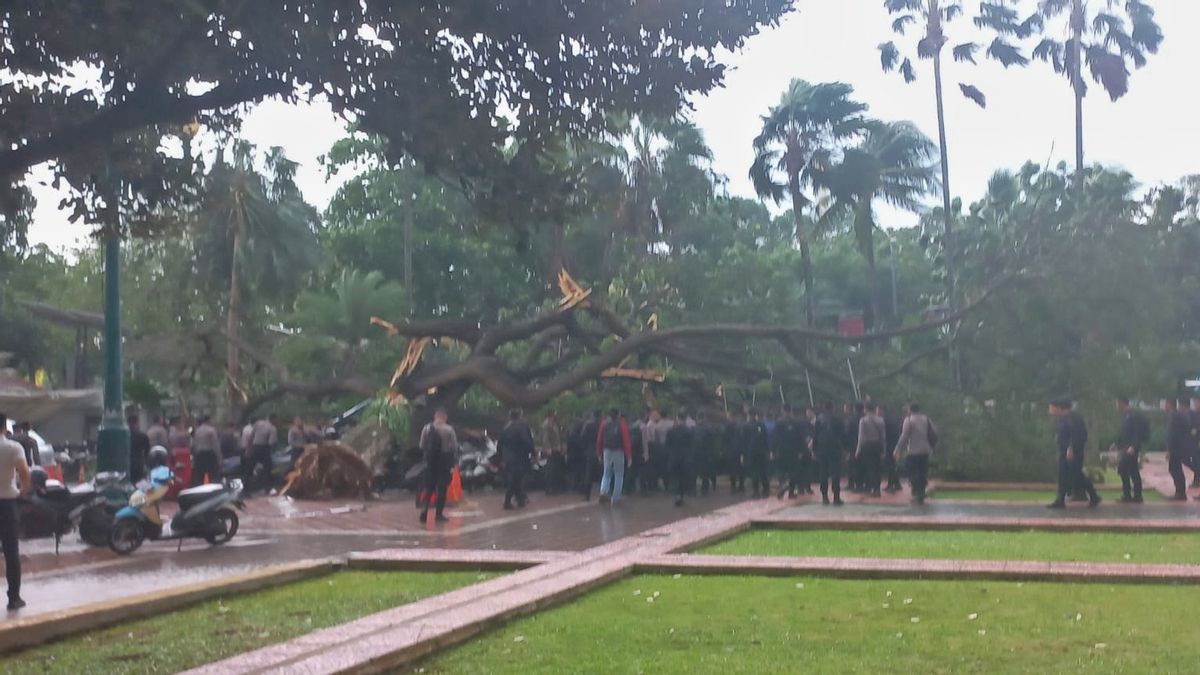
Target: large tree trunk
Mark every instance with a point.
(233, 312)
(872, 288)
(947, 216)
(1077, 87)
(806, 273)
(555, 256)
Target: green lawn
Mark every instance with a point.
(1108, 492)
(778, 625)
(218, 629)
(967, 545)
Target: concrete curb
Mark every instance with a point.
(879, 522)
(442, 560)
(899, 568)
(24, 633)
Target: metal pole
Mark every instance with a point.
(808, 380)
(853, 382)
(112, 442)
(782, 398)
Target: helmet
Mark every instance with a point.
(38, 476)
(158, 456)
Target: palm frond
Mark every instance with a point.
(889, 56)
(972, 92)
(901, 23)
(965, 52)
(1109, 70)
(907, 70)
(1006, 53)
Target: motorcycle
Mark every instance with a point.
(54, 510)
(479, 466)
(205, 512)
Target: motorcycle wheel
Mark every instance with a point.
(126, 536)
(95, 525)
(229, 526)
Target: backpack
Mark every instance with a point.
(432, 444)
(611, 437)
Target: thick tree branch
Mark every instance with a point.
(133, 114)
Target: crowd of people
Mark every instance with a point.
(247, 451)
(786, 453)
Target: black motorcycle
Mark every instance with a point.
(53, 510)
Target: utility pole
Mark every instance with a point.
(112, 443)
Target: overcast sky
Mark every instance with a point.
(1153, 131)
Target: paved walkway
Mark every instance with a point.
(278, 530)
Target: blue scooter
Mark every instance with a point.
(205, 512)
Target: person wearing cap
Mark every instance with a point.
(1071, 434)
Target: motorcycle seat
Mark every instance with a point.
(192, 496)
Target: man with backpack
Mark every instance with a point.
(439, 445)
(615, 450)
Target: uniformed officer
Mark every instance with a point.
(1071, 435)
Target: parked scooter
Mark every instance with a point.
(205, 512)
(54, 510)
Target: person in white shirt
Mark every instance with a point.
(12, 467)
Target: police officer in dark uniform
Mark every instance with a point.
(787, 452)
(679, 456)
(705, 447)
(757, 449)
(1135, 432)
(1179, 446)
(828, 444)
(516, 449)
(807, 470)
(854, 413)
(735, 459)
(891, 467)
(1071, 435)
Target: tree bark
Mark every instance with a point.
(232, 352)
(806, 273)
(947, 216)
(1077, 87)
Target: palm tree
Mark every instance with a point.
(934, 15)
(1108, 41)
(253, 230)
(665, 176)
(895, 164)
(799, 137)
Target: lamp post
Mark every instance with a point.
(892, 255)
(112, 445)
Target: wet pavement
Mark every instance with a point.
(278, 530)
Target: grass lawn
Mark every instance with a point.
(218, 629)
(1108, 492)
(967, 545)
(777, 625)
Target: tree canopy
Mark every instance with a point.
(475, 88)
